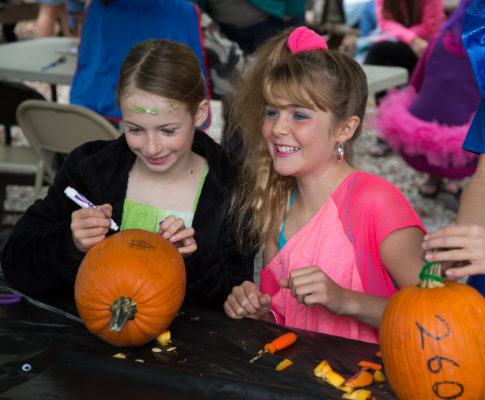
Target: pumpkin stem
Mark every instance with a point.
(122, 310)
(432, 278)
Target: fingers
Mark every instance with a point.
(188, 247)
(89, 226)
(460, 272)
(284, 283)
(170, 226)
(447, 255)
(174, 230)
(463, 244)
(246, 300)
(447, 237)
(107, 210)
(308, 285)
(448, 241)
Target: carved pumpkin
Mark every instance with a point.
(129, 287)
(432, 338)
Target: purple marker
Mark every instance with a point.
(81, 201)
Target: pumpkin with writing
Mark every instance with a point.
(129, 287)
(432, 338)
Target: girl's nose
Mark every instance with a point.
(281, 126)
(154, 144)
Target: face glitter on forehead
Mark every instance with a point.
(172, 106)
(142, 109)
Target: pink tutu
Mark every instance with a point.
(426, 146)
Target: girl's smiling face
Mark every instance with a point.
(301, 140)
(159, 139)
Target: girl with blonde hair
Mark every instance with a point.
(337, 242)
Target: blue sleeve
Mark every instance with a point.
(473, 40)
(475, 138)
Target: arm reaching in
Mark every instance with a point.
(462, 246)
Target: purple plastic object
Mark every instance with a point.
(9, 298)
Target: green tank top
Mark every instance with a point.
(142, 216)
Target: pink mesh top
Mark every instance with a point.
(343, 239)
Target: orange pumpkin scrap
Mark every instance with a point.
(370, 365)
(164, 338)
(283, 364)
(129, 287)
(432, 338)
(324, 371)
(360, 379)
(379, 376)
(359, 394)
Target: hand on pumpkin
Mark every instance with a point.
(174, 230)
(90, 225)
(247, 301)
(466, 254)
(310, 286)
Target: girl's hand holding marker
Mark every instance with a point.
(80, 200)
(91, 223)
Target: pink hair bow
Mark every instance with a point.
(304, 39)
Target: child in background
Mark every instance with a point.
(161, 169)
(427, 121)
(406, 27)
(337, 242)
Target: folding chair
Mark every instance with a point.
(53, 128)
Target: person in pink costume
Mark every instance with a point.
(337, 242)
(405, 30)
(427, 121)
(418, 31)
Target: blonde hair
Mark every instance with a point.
(165, 68)
(331, 80)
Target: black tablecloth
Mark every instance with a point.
(211, 359)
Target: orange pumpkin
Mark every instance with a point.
(432, 338)
(129, 287)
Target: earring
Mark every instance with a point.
(340, 152)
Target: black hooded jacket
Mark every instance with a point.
(40, 256)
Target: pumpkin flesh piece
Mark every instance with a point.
(379, 376)
(359, 394)
(283, 364)
(360, 379)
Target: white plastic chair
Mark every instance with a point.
(54, 128)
